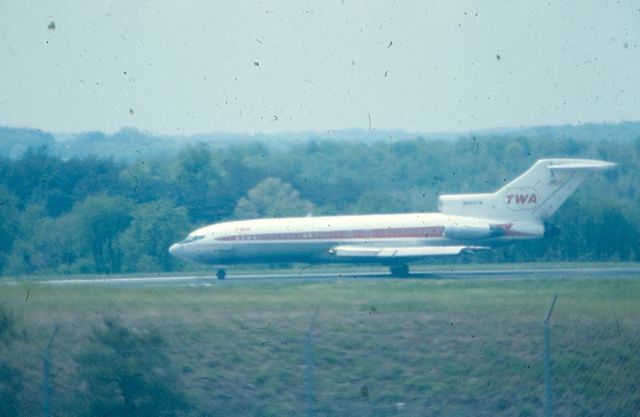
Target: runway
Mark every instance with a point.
(300, 277)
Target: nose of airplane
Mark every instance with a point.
(173, 249)
(179, 251)
(182, 251)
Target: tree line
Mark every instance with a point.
(93, 214)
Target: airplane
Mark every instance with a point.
(465, 223)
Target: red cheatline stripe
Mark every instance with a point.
(416, 232)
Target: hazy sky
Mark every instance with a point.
(268, 66)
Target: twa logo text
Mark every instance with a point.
(521, 198)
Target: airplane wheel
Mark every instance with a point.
(399, 270)
(221, 274)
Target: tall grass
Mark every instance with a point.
(380, 347)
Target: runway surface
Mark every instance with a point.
(294, 277)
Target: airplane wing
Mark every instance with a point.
(401, 252)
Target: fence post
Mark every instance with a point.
(548, 404)
(47, 378)
(309, 368)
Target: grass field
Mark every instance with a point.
(343, 348)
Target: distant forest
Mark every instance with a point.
(91, 213)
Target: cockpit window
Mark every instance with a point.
(193, 238)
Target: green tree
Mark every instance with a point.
(380, 202)
(101, 219)
(127, 373)
(9, 225)
(198, 184)
(272, 198)
(596, 230)
(54, 245)
(155, 226)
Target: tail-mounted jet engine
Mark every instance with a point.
(475, 231)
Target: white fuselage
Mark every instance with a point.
(311, 239)
(466, 223)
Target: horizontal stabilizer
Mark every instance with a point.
(401, 252)
(582, 164)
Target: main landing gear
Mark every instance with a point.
(221, 273)
(400, 271)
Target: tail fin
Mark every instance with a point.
(533, 196)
